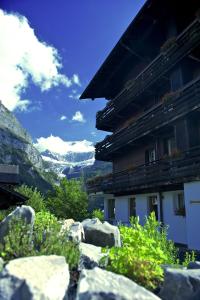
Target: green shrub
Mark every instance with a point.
(144, 249)
(5, 212)
(189, 257)
(97, 213)
(44, 239)
(35, 198)
(68, 200)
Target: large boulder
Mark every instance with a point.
(194, 265)
(98, 284)
(23, 212)
(101, 234)
(76, 232)
(90, 256)
(66, 225)
(181, 285)
(39, 277)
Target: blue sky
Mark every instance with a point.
(83, 32)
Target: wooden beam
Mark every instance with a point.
(194, 58)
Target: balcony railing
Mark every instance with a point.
(164, 172)
(188, 40)
(184, 101)
(9, 174)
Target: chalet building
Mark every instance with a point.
(9, 178)
(151, 80)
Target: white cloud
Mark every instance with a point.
(76, 79)
(74, 96)
(23, 57)
(78, 116)
(57, 145)
(62, 118)
(93, 133)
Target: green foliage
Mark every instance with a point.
(35, 198)
(144, 249)
(68, 200)
(97, 213)
(43, 239)
(5, 212)
(189, 257)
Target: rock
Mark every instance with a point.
(98, 284)
(101, 234)
(76, 232)
(24, 212)
(194, 265)
(39, 277)
(167, 266)
(181, 285)
(66, 225)
(94, 221)
(90, 256)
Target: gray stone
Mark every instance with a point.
(88, 222)
(76, 232)
(90, 256)
(101, 234)
(194, 265)
(23, 212)
(181, 285)
(98, 284)
(35, 278)
(66, 225)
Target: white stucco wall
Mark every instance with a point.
(122, 209)
(192, 203)
(142, 206)
(177, 224)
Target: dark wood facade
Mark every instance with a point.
(153, 110)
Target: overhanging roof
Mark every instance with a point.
(11, 197)
(93, 90)
(103, 84)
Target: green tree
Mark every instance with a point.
(35, 198)
(68, 200)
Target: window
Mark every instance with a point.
(111, 208)
(150, 155)
(179, 205)
(153, 205)
(169, 146)
(132, 207)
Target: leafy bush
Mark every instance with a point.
(68, 200)
(189, 257)
(43, 239)
(5, 212)
(144, 249)
(97, 213)
(35, 198)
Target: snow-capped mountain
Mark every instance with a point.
(59, 163)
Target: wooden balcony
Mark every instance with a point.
(156, 175)
(173, 107)
(187, 41)
(9, 174)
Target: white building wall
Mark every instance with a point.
(122, 209)
(192, 203)
(142, 206)
(177, 224)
